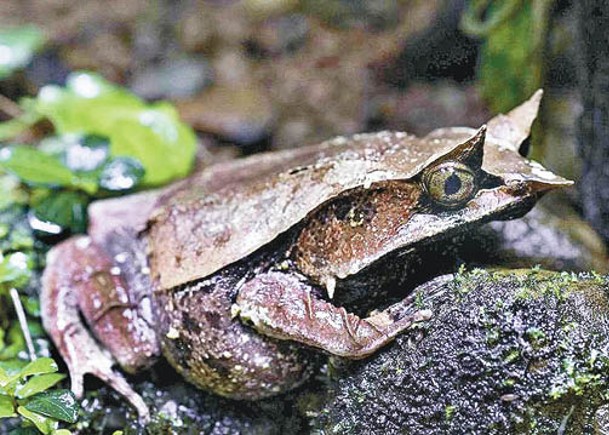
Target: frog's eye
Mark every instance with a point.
(450, 184)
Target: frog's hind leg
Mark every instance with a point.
(282, 306)
(81, 278)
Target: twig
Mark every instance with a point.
(23, 323)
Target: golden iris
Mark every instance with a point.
(450, 184)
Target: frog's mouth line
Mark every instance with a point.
(433, 255)
(431, 227)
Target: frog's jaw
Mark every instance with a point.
(423, 257)
(507, 201)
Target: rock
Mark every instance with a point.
(240, 114)
(174, 78)
(512, 351)
(180, 408)
(593, 127)
(551, 235)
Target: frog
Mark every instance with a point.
(235, 275)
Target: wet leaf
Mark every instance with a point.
(34, 166)
(15, 269)
(38, 384)
(17, 47)
(12, 367)
(59, 212)
(87, 154)
(38, 367)
(44, 424)
(58, 404)
(121, 174)
(152, 134)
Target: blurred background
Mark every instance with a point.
(256, 75)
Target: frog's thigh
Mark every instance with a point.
(79, 278)
(214, 351)
(282, 306)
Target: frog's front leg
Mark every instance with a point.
(282, 306)
(81, 278)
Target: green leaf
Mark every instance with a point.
(61, 432)
(11, 192)
(34, 166)
(7, 408)
(15, 269)
(38, 367)
(58, 404)
(18, 45)
(88, 104)
(511, 58)
(44, 424)
(31, 305)
(38, 384)
(121, 174)
(152, 134)
(4, 377)
(12, 366)
(17, 344)
(63, 210)
(29, 116)
(156, 138)
(26, 430)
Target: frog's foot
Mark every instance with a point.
(281, 306)
(80, 278)
(84, 356)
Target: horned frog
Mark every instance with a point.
(231, 274)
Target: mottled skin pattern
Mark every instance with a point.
(230, 272)
(338, 235)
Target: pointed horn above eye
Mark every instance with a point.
(472, 150)
(477, 140)
(514, 127)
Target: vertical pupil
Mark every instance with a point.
(452, 184)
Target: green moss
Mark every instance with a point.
(536, 335)
(449, 411)
(512, 356)
(510, 382)
(419, 301)
(493, 337)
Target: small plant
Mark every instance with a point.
(105, 142)
(25, 391)
(89, 105)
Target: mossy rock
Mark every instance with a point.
(510, 351)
